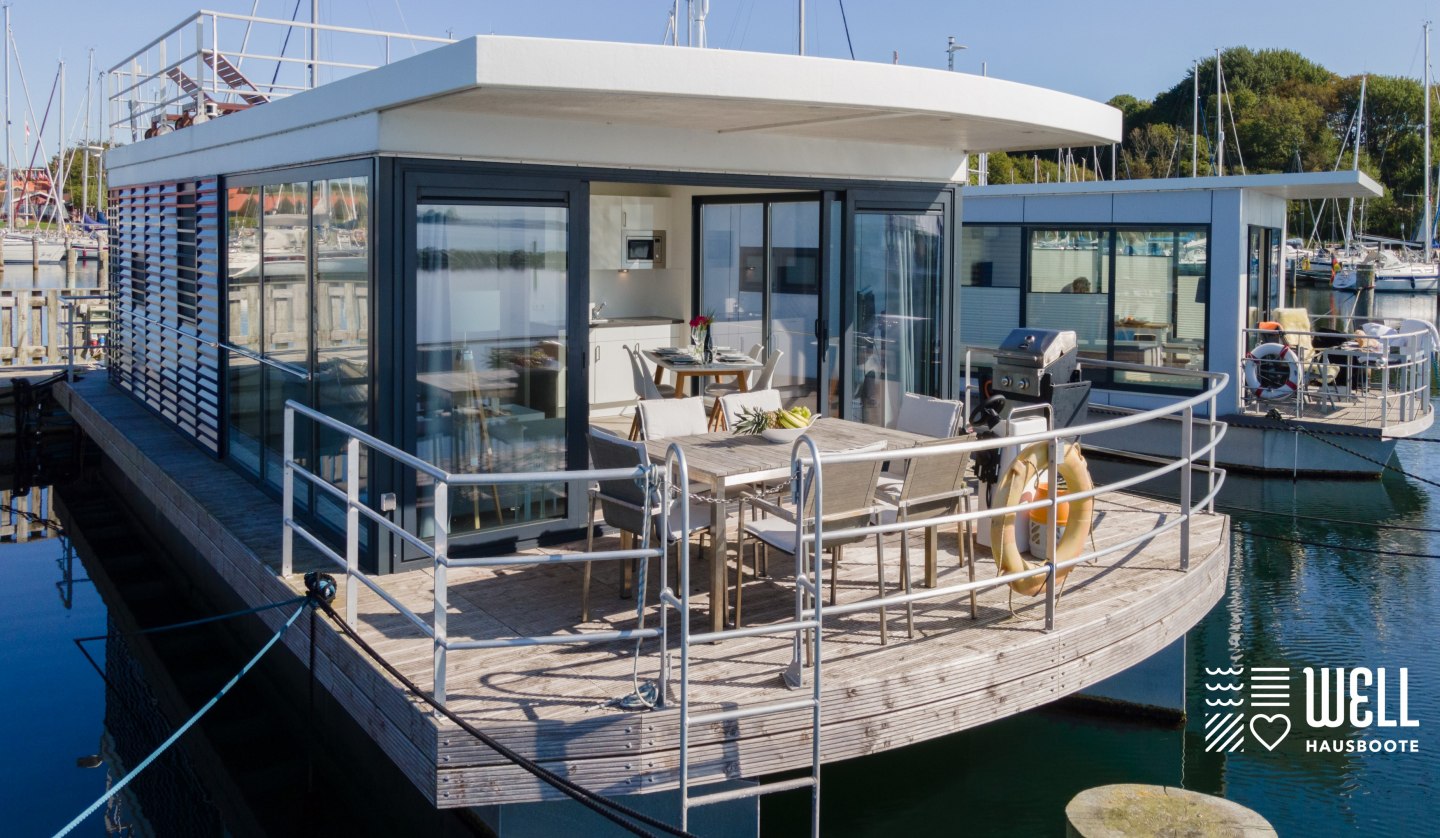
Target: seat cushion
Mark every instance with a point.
(775, 532)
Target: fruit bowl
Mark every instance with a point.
(783, 434)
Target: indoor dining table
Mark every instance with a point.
(729, 462)
(684, 367)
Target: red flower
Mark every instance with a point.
(700, 320)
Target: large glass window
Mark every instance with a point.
(1151, 311)
(990, 274)
(1160, 303)
(243, 317)
(285, 296)
(1070, 286)
(298, 319)
(491, 287)
(899, 266)
(341, 316)
(732, 271)
(795, 298)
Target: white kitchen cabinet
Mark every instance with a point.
(606, 213)
(611, 216)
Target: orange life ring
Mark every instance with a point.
(1035, 460)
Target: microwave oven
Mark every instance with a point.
(643, 249)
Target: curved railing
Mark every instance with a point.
(1386, 377)
(1190, 458)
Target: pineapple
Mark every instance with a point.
(754, 420)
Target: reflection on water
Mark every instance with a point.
(262, 762)
(1285, 605)
(87, 276)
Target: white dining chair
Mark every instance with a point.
(665, 418)
(733, 404)
(645, 386)
(763, 381)
(928, 416)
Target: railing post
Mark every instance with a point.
(1187, 450)
(352, 529)
(1052, 528)
(68, 307)
(199, 69)
(287, 508)
(442, 552)
(1210, 459)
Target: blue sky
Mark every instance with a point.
(1095, 49)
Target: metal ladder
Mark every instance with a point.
(808, 618)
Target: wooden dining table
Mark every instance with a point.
(682, 370)
(730, 461)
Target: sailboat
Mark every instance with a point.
(1393, 271)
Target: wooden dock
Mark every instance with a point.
(552, 702)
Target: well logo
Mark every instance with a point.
(1257, 704)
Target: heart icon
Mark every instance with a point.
(1278, 724)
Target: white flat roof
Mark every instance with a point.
(508, 98)
(1298, 186)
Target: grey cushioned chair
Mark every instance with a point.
(934, 487)
(622, 506)
(849, 502)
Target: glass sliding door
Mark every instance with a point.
(898, 342)
(732, 272)
(760, 277)
(490, 357)
(794, 268)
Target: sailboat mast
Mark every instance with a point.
(1195, 122)
(9, 173)
(1219, 120)
(1355, 162)
(1429, 231)
(85, 143)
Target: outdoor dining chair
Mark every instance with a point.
(665, 418)
(934, 487)
(645, 386)
(849, 502)
(732, 405)
(622, 506)
(763, 381)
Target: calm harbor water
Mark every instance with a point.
(253, 768)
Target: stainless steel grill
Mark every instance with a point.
(1027, 355)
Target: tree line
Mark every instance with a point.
(1283, 113)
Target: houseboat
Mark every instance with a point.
(1187, 274)
(367, 328)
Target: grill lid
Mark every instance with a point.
(1038, 348)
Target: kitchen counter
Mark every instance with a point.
(612, 322)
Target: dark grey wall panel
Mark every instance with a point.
(165, 241)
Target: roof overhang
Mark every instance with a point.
(847, 109)
(1299, 186)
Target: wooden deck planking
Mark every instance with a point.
(546, 701)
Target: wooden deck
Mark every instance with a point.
(1361, 412)
(552, 702)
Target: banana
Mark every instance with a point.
(790, 420)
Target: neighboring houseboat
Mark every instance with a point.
(416, 253)
(1184, 274)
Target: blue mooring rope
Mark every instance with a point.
(180, 731)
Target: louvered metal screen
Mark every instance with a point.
(166, 297)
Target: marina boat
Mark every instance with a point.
(27, 249)
(1386, 271)
(1328, 395)
(396, 375)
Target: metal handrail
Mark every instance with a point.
(805, 455)
(438, 550)
(138, 85)
(1413, 388)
